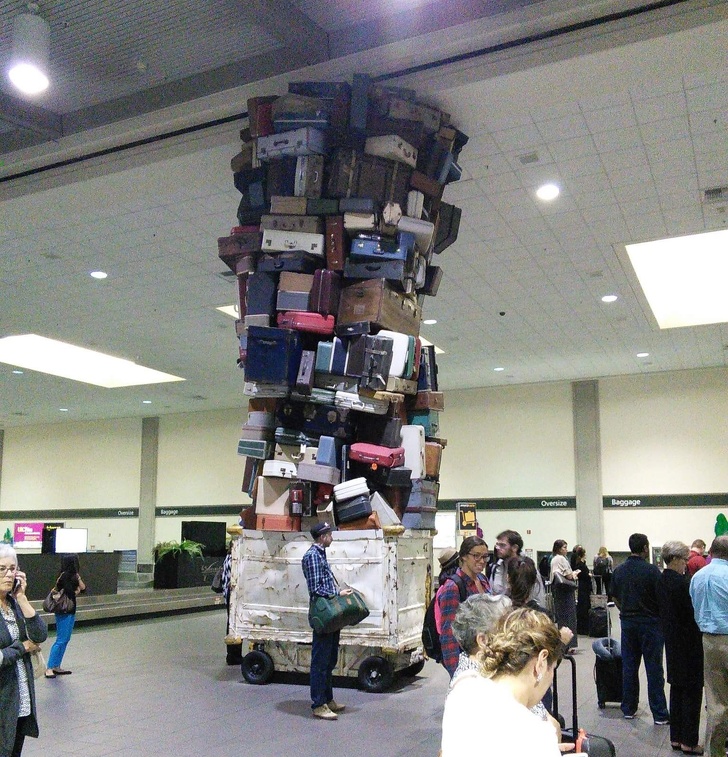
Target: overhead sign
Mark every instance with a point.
(467, 516)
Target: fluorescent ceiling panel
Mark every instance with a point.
(684, 278)
(38, 353)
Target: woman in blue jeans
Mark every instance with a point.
(72, 584)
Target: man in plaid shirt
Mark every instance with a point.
(325, 648)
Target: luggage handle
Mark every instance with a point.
(574, 715)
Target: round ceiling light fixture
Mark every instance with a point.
(610, 298)
(548, 192)
(99, 274)
(29, 58)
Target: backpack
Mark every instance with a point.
(601, 566)
(544, 567)
(430, 635)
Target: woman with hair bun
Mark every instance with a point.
(517, 667)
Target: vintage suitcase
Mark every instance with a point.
(338, 359)
(355, 174)
(254, 389)
(296, 206)
(370, 523)
(377, 301)
(289, 241)
(367, 247)
(433, 277)
(325, 292)
(257, 448)
(301, 497)
(355, 222)
(280, 176)
(313, 323)
(428, 419)
(279, 469)
(423, 231)
(336, 243)
(307, 141)
(375, 454)
(381, 125)
(415, 204)
(304, 378)
(352, 509)
(250, 474)
(393, 147)
(277, 522)
(328, 90)
(448, 226)
(433, 459)
(309, 176)
(256, 320)
(377, 362)
(428, 400)
(274, 355)
(328, 451)
(427, 378)
(297, 262)
(379, 429)
(430, 117)
(290, 453)
(400, 385)
(292, 300)
(356, 328)
(355, 353)
(422, 501)
(295, 282)
(413, 441)
(260, 115)
(359, 106)
(306, 224)
(358, 205)
(250, 182)
(246, 246)
(322, 206)
(324, 356)
(355, 401)
(400, 349)
(316, 420)
(286, 122)
(349, 489)
(292, 437)
(429, 187)
(419, 518)
(318, 396)
(396, 272)
(323, 474)
(261, 294)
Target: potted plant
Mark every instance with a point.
(178, 565)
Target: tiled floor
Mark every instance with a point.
(161, 687)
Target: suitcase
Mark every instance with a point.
(258, 449)
(423, 231)
(393, 147)
(355, 401)
(273, 355)
(379, 429)
(293, 437)
(355, 174)
(260, 115)
(296, 206)
(401, 385)
(374, 247)
(306, 224)
(378, 302)
(370, 523)
(413, 441)
(420, 504)
(279, 469)
(313, 323)
(306, 141)
(349, 489)
(328, 90)
(359, 106)
(608, 681)
(250, 182)
(254, 389)
(309, 176)
(377, 361)
(315, 419)
(400, 348)
(296, 262)
(286, 300)
(351, 330)
(355, 222)
(427, 400)
(261, 293)
(325, 292)
(427, 377)
(289, 241)
(277, 522)
(256, 320)
(239, 247)
(324, 474)
(433, 459)
(289, 453)
(336, 243)
(353, 508)
(433, 277)
(304, 379)
(272, 495)
(587, 743)
(280, 177)
(328, 451)
(448, 225)
(428, 419)
(358, 205)
(322, 206)
(598, 622)
(373, 454)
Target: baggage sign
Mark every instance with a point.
(466, 518)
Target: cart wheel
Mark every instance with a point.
(414, 670)
(375, 674)
(257, 667)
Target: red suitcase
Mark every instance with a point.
(388, 457)
(335, 243)
(325, 292)
(314, 323)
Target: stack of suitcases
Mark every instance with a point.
(341, 217)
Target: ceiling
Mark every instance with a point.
(124, 166)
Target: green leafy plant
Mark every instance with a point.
(187, 547)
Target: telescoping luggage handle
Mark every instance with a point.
(574, 715)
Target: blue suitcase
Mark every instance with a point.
(296, 262)
(273, 355)
(397, 272)
(368, 247)
(261, 293)
(315, 419)
(352, 509)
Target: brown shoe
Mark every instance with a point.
(336, 707)
(324, 713)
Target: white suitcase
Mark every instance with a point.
(272, 497)
(322, 474)
(360, 221)
(289, 241)
(415, 203)
(288, 453)
(309, 454)
(393, 147)
(424, 231)
(349, 489)
(306, 141)
(355, 401)
(413, 441)
(400, 348)
(261, 419)
(279, 469)
(253, 389)
(387, 516)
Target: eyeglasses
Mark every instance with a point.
(8, 568)
(478, 555)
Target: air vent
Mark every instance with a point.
(715, 195)
(531, 157)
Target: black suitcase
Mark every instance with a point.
(588, 743)
(353, 509)
(608, 680)
(598, 622)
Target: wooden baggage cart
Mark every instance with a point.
(269, 603)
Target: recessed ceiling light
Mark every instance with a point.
(146, 402)
(683, 278)
(231, 310)
(430, 322)
(497, 370)
(17, 372)
(38, 353)
(547, 192)
(99, 274)
(610, 298)
(643, 354)
(63, 409)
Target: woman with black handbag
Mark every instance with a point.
(21, 632)
(563, 587)
(71, 584)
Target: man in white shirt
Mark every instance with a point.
(508, 544)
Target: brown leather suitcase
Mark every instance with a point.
(260, 115)
(433, 458)
(336, 243)
(429, 401)
(355, 174)
(278, 523)
(295, 206)
(362, 524)
(295, 282)
(375, 300)
(306, 224)
(429, 187)
(239, 246)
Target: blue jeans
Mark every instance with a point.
(64, 627)
(324, 656)
(643, 638)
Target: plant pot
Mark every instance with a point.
(178, 571)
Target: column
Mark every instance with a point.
(147, 495)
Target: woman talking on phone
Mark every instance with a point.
(21, 632)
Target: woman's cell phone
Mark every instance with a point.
(16, 585)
